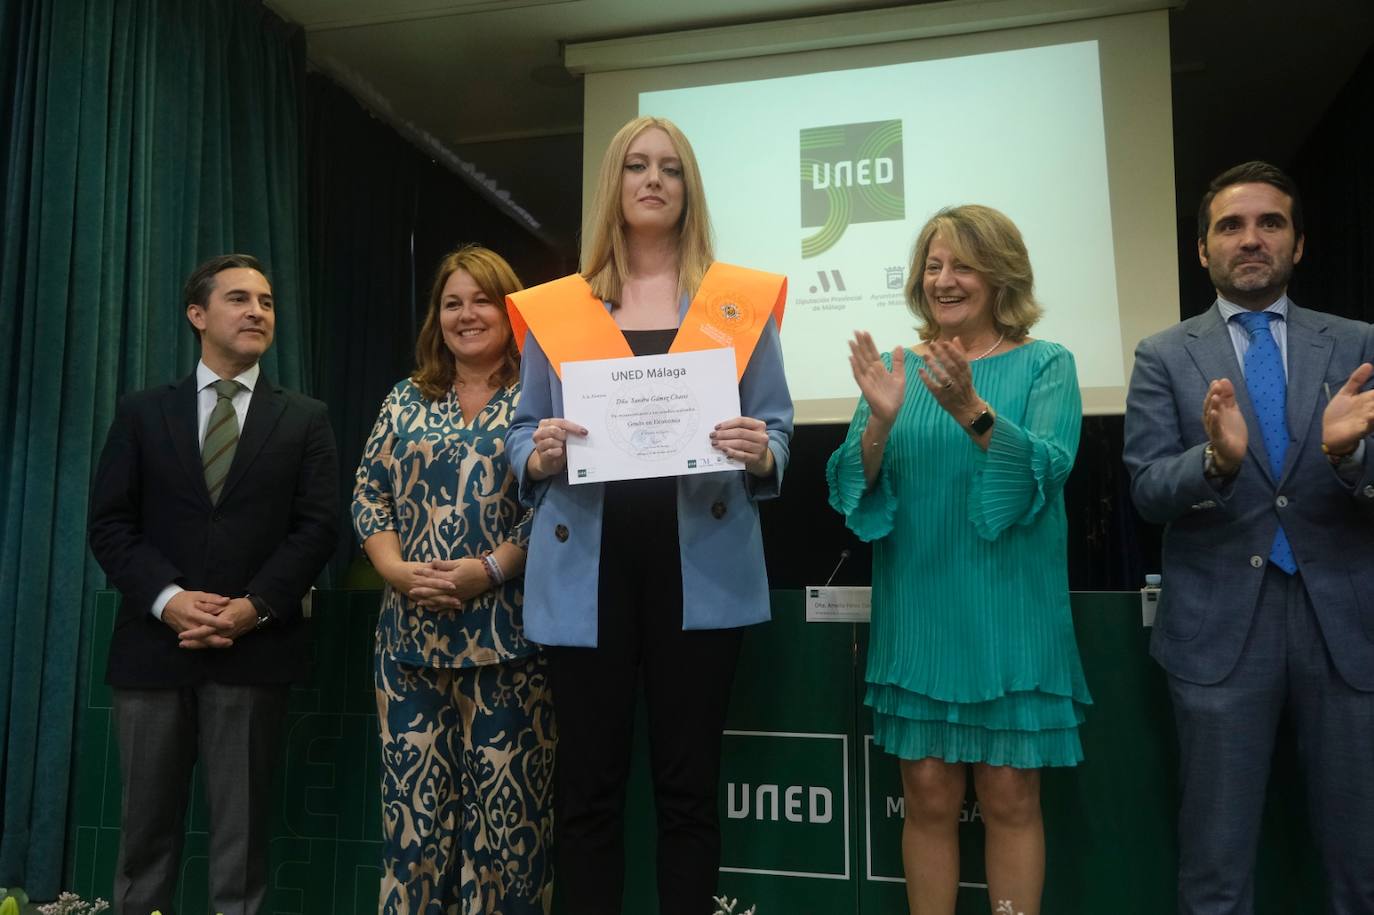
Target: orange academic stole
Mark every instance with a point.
(730, 309)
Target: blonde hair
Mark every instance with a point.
(435, 365)
(986, 240)
(605, 256)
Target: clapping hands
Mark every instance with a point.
(1225, 426)
(884, 388)
(1349, 417)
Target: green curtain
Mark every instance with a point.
(141, 136)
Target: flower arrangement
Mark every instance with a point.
(72, 904)
(14, 901)
(726, 906)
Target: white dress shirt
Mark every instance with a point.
(205, 404)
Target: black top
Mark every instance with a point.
(633, 507)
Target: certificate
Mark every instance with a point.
(649, 416)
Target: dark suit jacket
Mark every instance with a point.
(1216, 544)
(152, 524)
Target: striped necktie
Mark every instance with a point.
(221, 438)
(1268, 387)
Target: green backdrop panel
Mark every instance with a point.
(810, 810)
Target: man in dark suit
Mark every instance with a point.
(1247, 433)
(212, 512)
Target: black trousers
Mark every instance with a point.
(686, 677)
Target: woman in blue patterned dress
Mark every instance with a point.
(463, 703)
(954, 467)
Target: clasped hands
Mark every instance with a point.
(442, 584)
(203, 619)
(1348, 418)
(743, 438)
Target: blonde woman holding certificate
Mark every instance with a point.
(646, 580)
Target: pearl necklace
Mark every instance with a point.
(990, 350)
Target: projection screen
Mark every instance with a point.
(822, 164)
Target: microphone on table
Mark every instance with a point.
(844, 555)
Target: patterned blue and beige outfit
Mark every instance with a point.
(463, 703)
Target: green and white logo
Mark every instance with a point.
(849, 173)
(786, 800)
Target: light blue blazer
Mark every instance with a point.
(1216, 543)
(724, 583)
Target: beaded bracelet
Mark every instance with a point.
(494, 573)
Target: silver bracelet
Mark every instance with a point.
(494, 573)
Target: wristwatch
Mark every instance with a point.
(1209, 464)
(981, 423)
(264, 611)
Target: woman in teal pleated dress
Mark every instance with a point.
(954, 467)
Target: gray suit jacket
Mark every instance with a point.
(1216, 543)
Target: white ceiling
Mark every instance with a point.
(482, 83)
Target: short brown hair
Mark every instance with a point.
(986, 240)
(605, 261)
(201, 283)
(435, 367)
(1253, 172)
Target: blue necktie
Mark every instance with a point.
(1268, 388)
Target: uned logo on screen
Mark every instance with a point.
(850, 173)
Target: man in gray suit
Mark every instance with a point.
(1247, 434)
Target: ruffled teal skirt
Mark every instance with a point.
(1025, 730)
